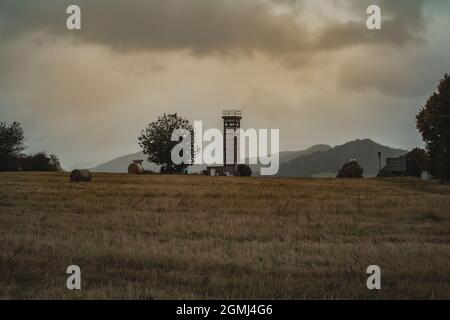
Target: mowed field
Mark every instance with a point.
(195, 237)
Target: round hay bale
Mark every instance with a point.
(80, 176)
(135, 168)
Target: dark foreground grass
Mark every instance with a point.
(191, 237)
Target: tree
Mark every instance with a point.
(433, 122)
(351, 169)
(11, 145)
(40, 162)
(416, 162)
(156, 141)
(54, 163)
(244, 170)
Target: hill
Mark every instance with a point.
(120, 164)
(328, 163)
(287, 156)
(318, 161)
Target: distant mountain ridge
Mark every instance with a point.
(328, 163)
(120, 164)
(286, 156)
(319, 160)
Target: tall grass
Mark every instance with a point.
(191, 237)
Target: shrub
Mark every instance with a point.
(40, 162)
(351, 169)
(244, 170)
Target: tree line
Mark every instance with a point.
(12, 158)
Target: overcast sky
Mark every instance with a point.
(310, 68)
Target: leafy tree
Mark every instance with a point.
(416, 162)
(433, 122)
(54, 163)
(40, 162)
(351, 169)
(11, 145)
(244, 170)
(156, 141)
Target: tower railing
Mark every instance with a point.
(231, 113)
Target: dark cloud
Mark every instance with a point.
(410, 71)
(201, 27)
(403, 22)
(209, 27)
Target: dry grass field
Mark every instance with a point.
(193, 237)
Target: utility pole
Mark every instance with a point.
(379, 160)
